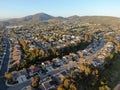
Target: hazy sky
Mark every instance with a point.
(20, 8)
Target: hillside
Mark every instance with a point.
(27, 19)
(96, 19)
(45, 17)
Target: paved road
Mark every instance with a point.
(65, 67)
(4, 66)
(20, 86)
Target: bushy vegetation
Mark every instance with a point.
(35, 81)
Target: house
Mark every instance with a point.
(74, 56)
(14, 75)
(57, 62)
(33, 70)
(65, 59)
(69, 58)
(23, 72)
(43, 65)
(47, 85)
(21, 79)
(58, 78)
(16, 54)
(84, 52)
(19, 76)
(31, 47)
(48, 66)
(47, 63)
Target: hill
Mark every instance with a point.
(96, 19)
(40, 17)
(27, 19)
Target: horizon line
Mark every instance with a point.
(17, 17)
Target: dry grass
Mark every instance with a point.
(112, 74)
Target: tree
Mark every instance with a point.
(23, 65)
(37, 78)
(8, 76)
(60, 87)
(104, 88)
(42, 53)
(32, 67)
(84, 68)
(66, 83)
(23, 44)
(35, 82)
(73, 87)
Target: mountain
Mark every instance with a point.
(95, 19)
(74, 17)
(27, 19)
(4, 19)
(42, 17)
(36, 17)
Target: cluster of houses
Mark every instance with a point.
(53, 39)
(55, 63)
(19, 76)
(2, 52)
(15, 26)
(49, 38)
(118, 38)
(98, 58)
(16, 54)
(58, 62)
(92, 48)
(44, 68)
(103, 53)
(52, 81)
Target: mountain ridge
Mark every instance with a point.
(39, 17)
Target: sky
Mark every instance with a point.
(21, 8)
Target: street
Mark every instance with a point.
(4, 66)
(54, 72)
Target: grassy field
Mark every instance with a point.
(112, 74)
